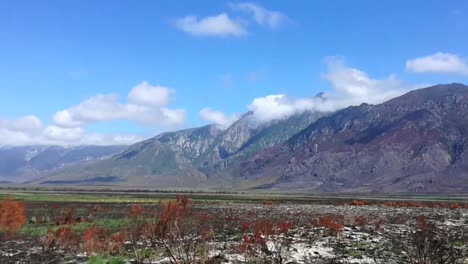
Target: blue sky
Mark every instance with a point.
(194, 62)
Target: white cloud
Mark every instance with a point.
(145, 94)
(439, 63)
(261, 15)
(217, 117)
(13, 137)
(55, 133)
(350, 86)
(26, 123)
(146, 105)
(28, 130)
(64, 118)
(278, 106)
(218, 25)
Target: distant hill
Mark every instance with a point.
(20, 164)
(413, 143)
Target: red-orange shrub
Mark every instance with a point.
(361, 220)
(262, 232)
(116, 242)
(62, 238)
(12, 215)
(136, 211)
(93, 240)
(333, 224)
(358, 203)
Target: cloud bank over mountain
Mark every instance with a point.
(349, 86)
(217, 117)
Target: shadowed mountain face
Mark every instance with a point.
(414, 143)
(19, 164)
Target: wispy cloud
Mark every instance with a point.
(439, 62)
(261, 15)
(218, 25)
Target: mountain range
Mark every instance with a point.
(413, 143)
(24, 163)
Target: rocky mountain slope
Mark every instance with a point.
(187, 158)
(414, 143)
(19, 164)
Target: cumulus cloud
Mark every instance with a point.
(217, 117)
(218, 25)
(146, 94)
(439, 63)
(25, 123)
(261, 15)
(146, 104)
(55, 133)
(19, 131)
(350, 86)
(29, 130)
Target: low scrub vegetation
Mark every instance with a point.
(181, 232)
